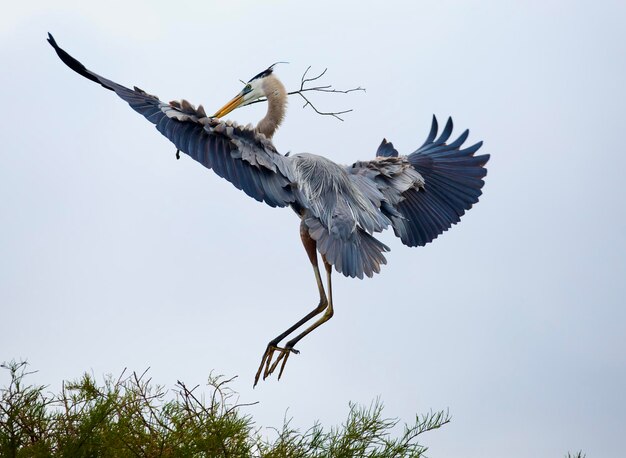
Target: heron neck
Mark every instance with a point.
(276, 107)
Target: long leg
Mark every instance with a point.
(328, 314)
(272, 346)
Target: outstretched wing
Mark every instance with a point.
(238, 154)
(426, 192)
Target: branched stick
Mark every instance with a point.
(327, 88)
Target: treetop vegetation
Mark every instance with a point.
(130, 416)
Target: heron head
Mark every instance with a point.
(253, 90)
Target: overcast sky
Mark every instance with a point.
(113, 254)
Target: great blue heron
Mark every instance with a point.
(419, 195)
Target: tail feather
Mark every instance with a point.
(360, 254)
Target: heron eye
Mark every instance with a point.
(247, 88)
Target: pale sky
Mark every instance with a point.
(113, 254)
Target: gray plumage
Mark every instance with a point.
(419, 195)
(339, 215)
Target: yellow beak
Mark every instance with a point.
(230, 106)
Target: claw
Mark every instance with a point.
(268, 366)
(270, 354)
(280, 357)
(258, 372)
(282, 367)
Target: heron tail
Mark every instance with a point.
(353, 256)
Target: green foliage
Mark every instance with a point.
(365, 433)
(129, 416)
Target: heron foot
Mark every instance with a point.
(268, 367)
